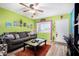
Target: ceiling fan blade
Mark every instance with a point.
(39, 10)
(36, 4)
(23, 5)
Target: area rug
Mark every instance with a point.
(42, 51)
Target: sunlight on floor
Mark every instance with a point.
(57, 50)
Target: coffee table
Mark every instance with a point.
(35, 44)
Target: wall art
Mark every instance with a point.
(21, 23)
(16, 23)
(8, 24)
(24, 24)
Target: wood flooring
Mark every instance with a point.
(56, 49)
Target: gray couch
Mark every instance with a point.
(15, 40)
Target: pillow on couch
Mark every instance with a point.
(26, 33)
(17, 36)
(31, 33)
(9, 36)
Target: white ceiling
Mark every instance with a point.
(50, 9)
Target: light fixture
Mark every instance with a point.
(36, 7)
(32, 11)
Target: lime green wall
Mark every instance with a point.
(6, 15)
(53, 18)
(45, 36)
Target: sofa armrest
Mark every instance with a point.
(0, 41)
(17, 41)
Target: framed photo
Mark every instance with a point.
(8, 24)
(21, 23)
(16, 23)
(24, 24)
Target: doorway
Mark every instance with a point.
(62, 29)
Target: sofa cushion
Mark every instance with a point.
(26, 39)
(31, 33)
(27, 33)
(15, 42)
(22, 35)
(18, 41)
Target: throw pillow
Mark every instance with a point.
(17, 36)
(9, 36)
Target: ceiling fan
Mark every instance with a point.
(31, 8)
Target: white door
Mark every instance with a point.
(62, 28)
